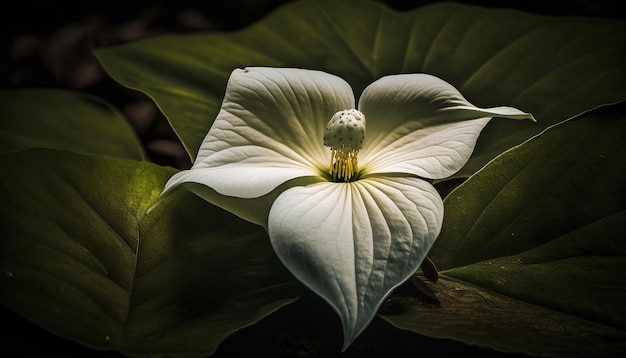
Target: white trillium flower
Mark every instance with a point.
(347, 210)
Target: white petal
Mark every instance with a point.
(268, 130)
(353, 243)
(422, 125)
(254, 210)
(242, 181)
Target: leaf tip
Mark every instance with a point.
(153, 206)
(157, 202)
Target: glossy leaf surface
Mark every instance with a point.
(81, 258)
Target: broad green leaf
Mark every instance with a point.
(552, 67)
(533, 246)
(81, 257)
(62, 119)
(480, 317)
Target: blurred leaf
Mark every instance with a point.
(81, 257)
(533, 247)
(61, 119)
(553, 67)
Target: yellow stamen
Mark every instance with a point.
(343, 164)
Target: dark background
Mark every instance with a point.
(48, 44)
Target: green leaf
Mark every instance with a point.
(482, 318)
(81, 257)
(533, 246)
(549, 66)
(61, 119)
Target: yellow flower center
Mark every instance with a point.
(344, 135)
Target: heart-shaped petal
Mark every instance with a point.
(268, 130)
(419, 124)
(353, 243)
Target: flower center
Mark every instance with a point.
(344, 135)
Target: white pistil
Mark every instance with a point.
(344, 136)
